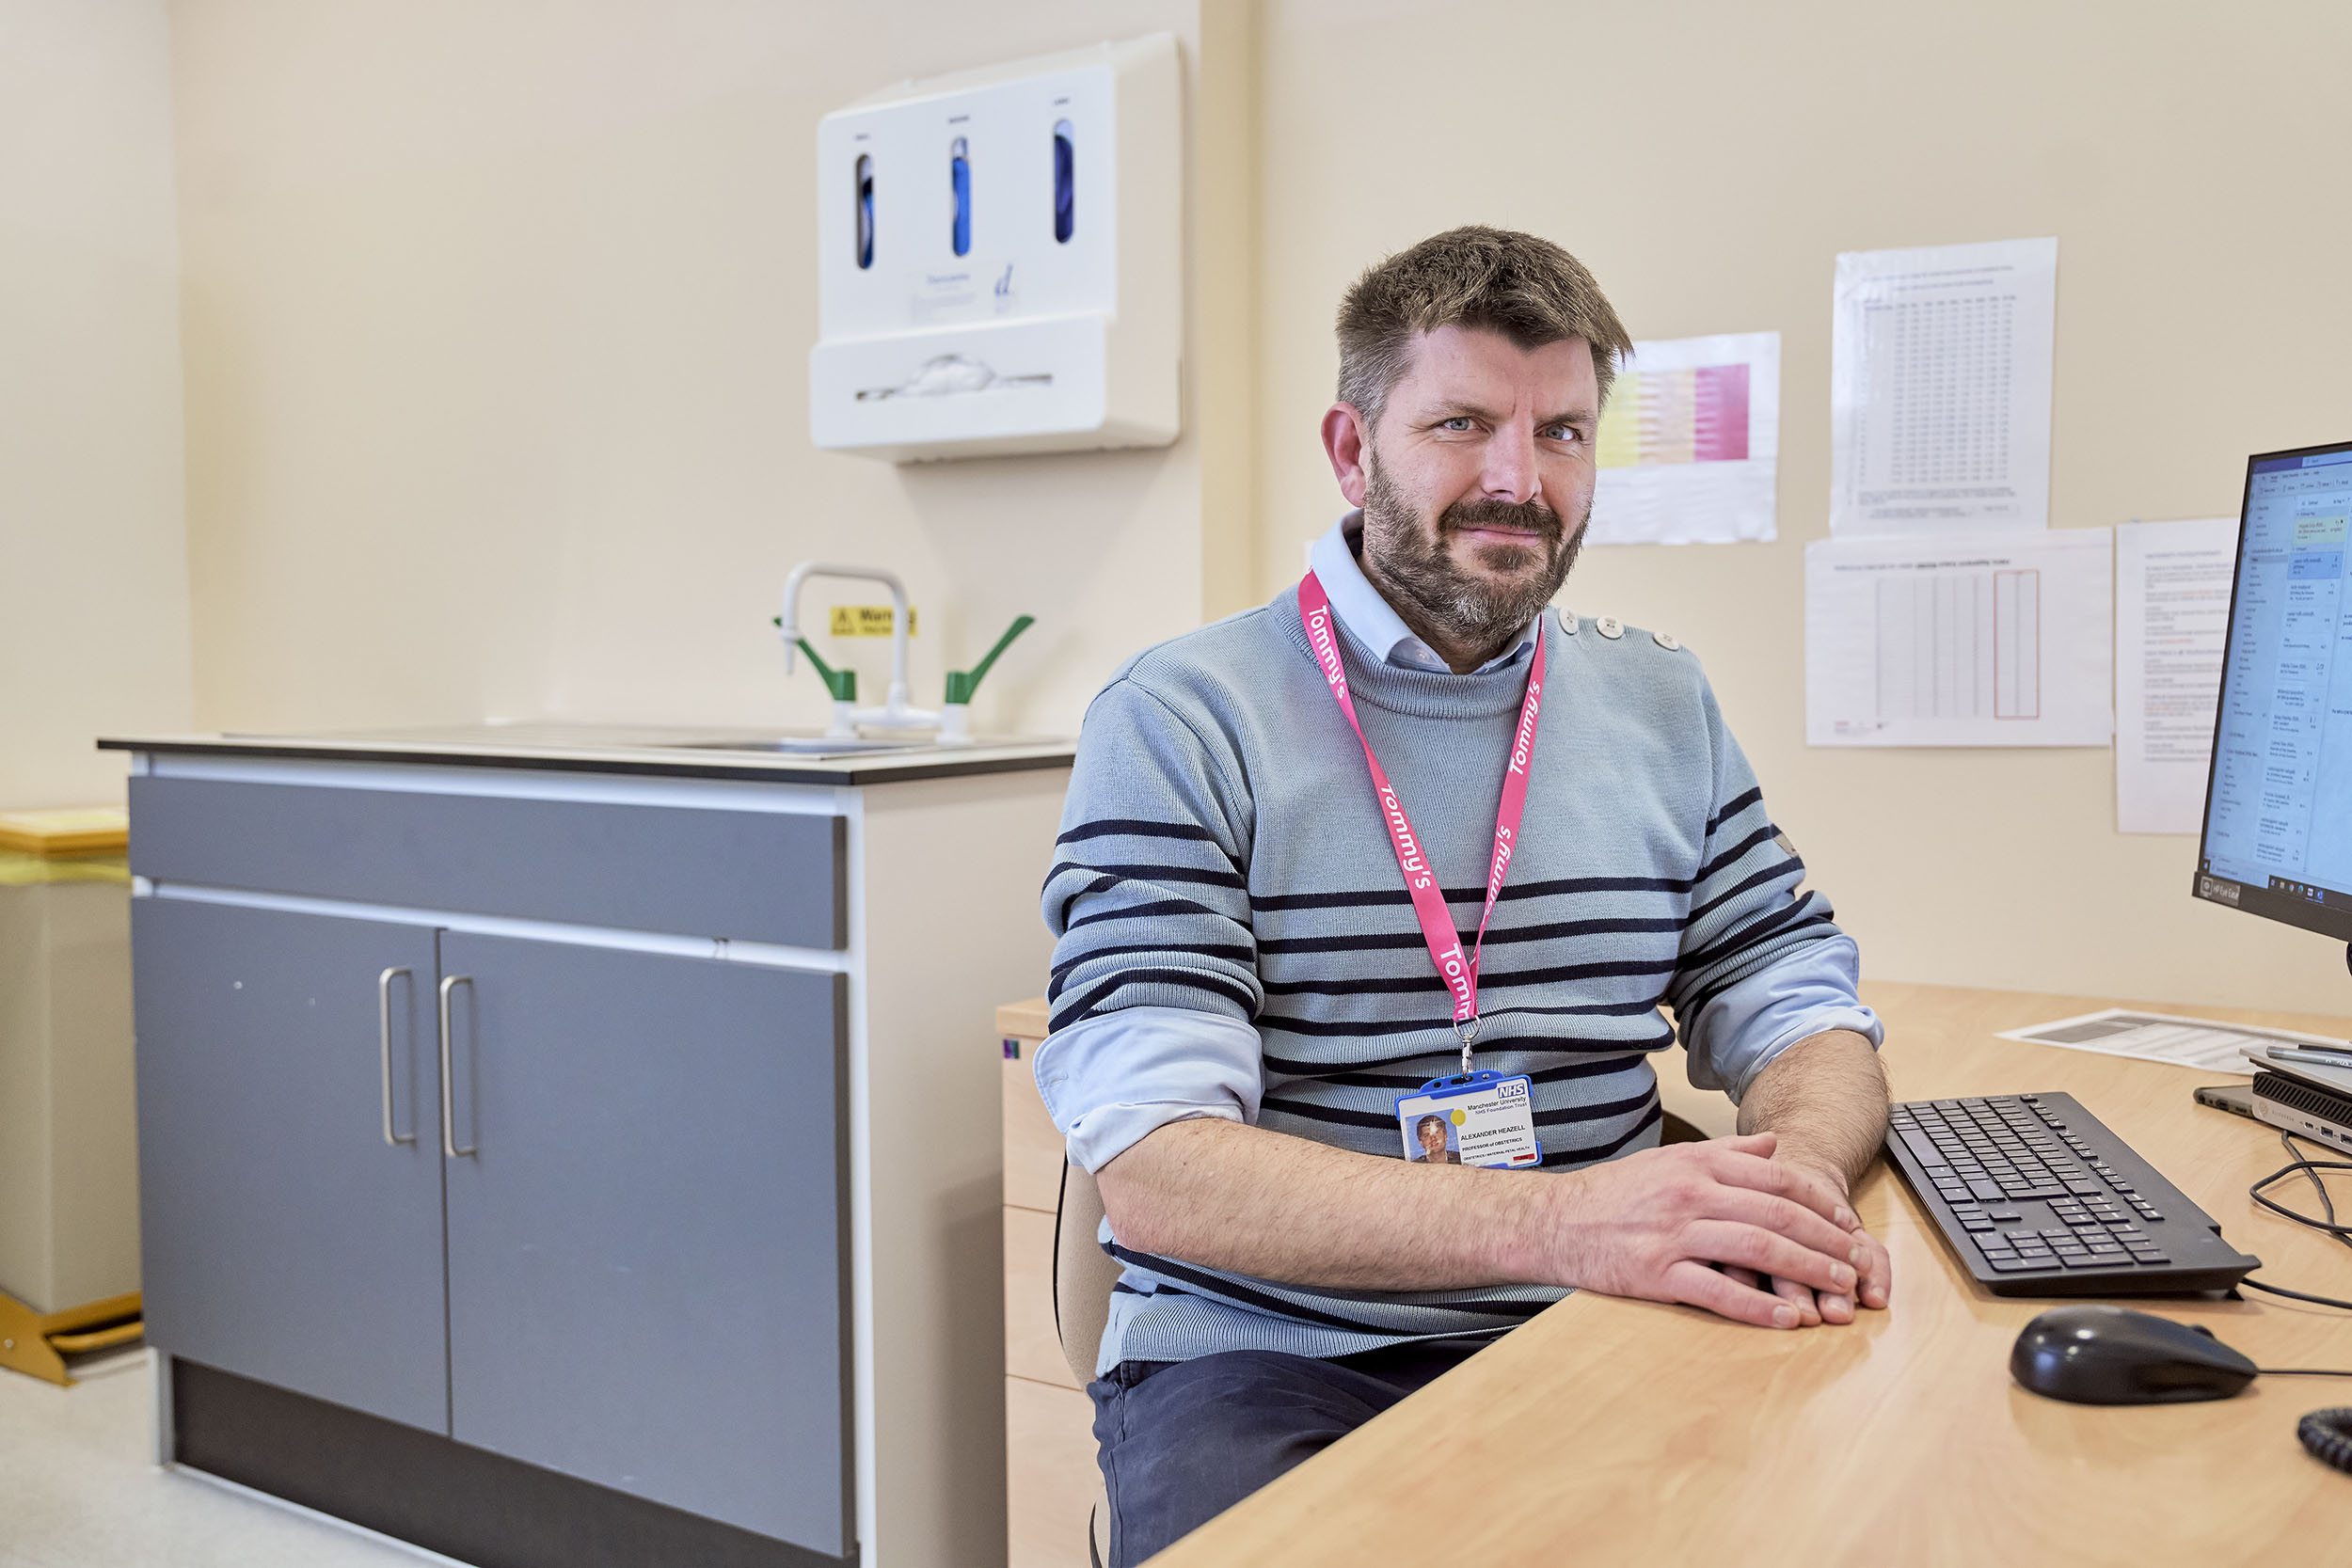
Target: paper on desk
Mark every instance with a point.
(1689, 447)
(2196, 1043)
(2171, 614)
(1991, 638)
(1940, 388)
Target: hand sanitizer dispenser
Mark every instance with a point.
(1000, 259)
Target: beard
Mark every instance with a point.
(1411, 560)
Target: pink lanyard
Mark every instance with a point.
(1460, 974)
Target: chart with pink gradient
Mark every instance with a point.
(1689, 443)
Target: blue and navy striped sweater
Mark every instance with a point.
(1222, 853)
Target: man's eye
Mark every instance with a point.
(1561, 433)
(1460, 423)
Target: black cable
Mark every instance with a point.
(2326, 1205)
(2251, 1284)
(2303, 1372)
(2301, 1165)
(2328, 1434)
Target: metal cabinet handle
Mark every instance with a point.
(384, 1046)
(448, 1132)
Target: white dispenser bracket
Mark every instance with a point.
(1000, 259)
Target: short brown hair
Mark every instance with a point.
(1528, 289)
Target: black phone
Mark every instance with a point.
(2234, 1097)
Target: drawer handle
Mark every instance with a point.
(448, 1132)
(383, 1045)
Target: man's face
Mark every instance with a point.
(1432, 1140)
(1478, 480)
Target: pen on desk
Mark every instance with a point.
(2325, 1055)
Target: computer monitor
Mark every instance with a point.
(2278, 835)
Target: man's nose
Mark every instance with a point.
(1510, 468)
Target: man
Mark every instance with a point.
(1430, 1129)
(1273, 928)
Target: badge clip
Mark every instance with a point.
(1465, 1030)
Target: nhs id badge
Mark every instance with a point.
(1480, 1119)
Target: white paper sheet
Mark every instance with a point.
(1992, 639)
(2197, 1042)
(1689, 446)
(2171, 614)
(1940, 388)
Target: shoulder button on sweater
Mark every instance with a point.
(1610, 627)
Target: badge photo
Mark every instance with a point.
(1480, 1119)
(1432, 1138)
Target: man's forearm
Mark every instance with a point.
(1826, 1098)
(1664, 1223)
(1255, 1202)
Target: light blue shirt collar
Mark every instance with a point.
(1370, 619)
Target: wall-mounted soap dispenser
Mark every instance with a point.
(1000, 259)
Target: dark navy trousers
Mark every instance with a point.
(1183, 1441)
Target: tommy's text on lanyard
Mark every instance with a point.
(1459, 972)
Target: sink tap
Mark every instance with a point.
(896, 712)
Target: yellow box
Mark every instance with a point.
(77, 832)
(869, 620)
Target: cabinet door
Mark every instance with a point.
(282, 1238)
(647, 1252)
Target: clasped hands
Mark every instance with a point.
(1725, 1226)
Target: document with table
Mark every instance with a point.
(1940, 382)
(1991, 638)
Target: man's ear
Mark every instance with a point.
(1347, 442)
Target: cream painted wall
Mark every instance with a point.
(497, 318)
(1708, 161)
(93, 564)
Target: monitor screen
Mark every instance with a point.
(2278, 838)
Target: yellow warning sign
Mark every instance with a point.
(870, 620)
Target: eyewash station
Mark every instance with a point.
(897, 716)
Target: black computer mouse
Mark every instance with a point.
(2111, 1356)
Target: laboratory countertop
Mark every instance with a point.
(765, 756)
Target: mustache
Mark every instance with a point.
(1529, 516)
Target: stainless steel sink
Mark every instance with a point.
(812, 745)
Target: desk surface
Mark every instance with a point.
(1609, 1430)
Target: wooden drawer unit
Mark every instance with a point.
(1051, 1480)
(749, 876)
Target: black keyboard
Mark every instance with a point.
(2035, 1198)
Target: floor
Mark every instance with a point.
(82, 1490)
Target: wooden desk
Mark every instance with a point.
(1623, 1431)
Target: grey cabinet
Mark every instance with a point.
(283, 1238)
(634, 1272)
(647, 1259)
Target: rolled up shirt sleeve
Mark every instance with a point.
(1763, 964)
(1111, 1080)
(1804, 991)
